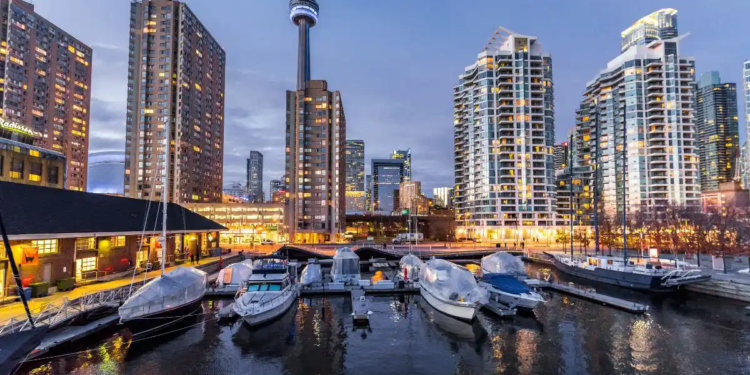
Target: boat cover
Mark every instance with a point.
(412, 264)
(449, 281)
(311, 274)
(174, 289)
(345, 265)
(235, 274)
(507, 283)
(502, 262)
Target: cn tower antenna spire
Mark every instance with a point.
(304, 14)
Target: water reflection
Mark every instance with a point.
(680, 335)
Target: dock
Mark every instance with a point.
(325, 290)
(591, 295)
(499, 309)
(68, 334)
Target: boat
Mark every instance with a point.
(360, 307)
(345, 269)
(164, 301)
(270, 291)
(645, 274)
(409, 267)
(234, 276)
(311, 275)
(504, 277)
(451, 289)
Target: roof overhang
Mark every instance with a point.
(50, 236)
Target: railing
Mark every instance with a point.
(91, 275)
(253, 306)
(56, 313)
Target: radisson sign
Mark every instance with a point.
(18, 128)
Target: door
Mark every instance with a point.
(47, 273)
(86, 268)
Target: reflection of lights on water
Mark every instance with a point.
(497, 353)
(526, 346)
(42, 370)
(642, 334)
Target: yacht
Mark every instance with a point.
(650, 274)
(504, 277)
(451, 289)
(270, 291)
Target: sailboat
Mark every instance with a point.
(171, 297)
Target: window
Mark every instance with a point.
(118, 241)
(85, 243)
(45, 246)
(16, 168)
(1, 166)
(53, 175)
(35, 172)
(87, 264)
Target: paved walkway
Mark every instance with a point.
(16, 309)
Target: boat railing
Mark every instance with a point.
(261, 303)
(681, 276)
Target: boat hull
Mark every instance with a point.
(466, 312)
(270, 314)
(513, 300)
(623, 279)
(160, 321)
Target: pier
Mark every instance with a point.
(592, 295)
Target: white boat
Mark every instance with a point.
(268, 293)
(503, 276)
(345, 269)
(234, 276)
(451, 289)
(311, 275)
(409, 267)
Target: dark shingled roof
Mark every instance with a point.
(29, 210)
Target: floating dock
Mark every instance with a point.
(71, 333)
(499, 309)
(591, 295)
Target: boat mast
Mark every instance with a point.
(624, 189)
(570, 208)
(165, 197)
(16, 274)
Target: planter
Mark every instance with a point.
(66, 284)
(39, 289)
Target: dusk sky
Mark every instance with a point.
(394, 61)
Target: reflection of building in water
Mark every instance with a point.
(321, 345)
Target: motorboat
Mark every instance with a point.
(649, 274)
(165, 300)
(409, 267)
(345, 268)
(270, 291)
(234, 276)
(503, 276)
(311, 275)
(451, 289)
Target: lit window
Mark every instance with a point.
(85, 244)
(118, 241)
(87, 264)
(45, 246)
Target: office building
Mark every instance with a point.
(23, 162)
(560, 153)
(643, 101)
(235, 191)
(355, 177)
(409, 195)
(368, 193)
(247, 223)
(729, 194)
(315, 141)
(176, 89)
(278, 192)
(659, 25)
(718, 135)
(255, 177)
(504, 137)
(443, 197)
(45, 80)
(404, 155)
(105, 172)
(387, 176)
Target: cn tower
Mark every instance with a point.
(304, 14)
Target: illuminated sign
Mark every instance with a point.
(18, 128)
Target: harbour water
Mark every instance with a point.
(681, 334)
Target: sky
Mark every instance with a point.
(395, 62)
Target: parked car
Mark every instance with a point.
(267, 242)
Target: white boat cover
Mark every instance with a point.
(176, 288)
(345, 266)
(311, 274)
(451, 282)
(235, 274)
(502, 262)
(412, 264)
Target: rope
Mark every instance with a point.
(143, 234)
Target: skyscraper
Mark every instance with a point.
(404, 155)
(387, 176)
(355, 176)
(46, 79)
(561, 155)
(410, 193)
(315, 139)
(176, 98)
(368, 193)
(443, 197)
(277, 191)
(659, 25)
(504, 135)
(718, 130)
(255, 177)
(643, 101)
(745, 161)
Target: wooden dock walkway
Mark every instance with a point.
(592, 295)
